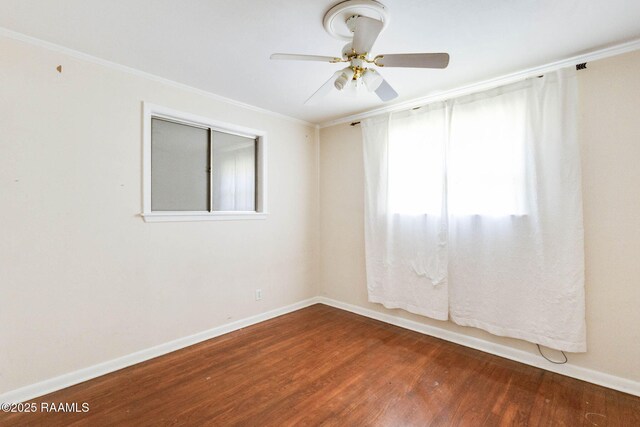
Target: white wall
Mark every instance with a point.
(610, 138)
(83, 279)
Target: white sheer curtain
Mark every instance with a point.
(406, 234)
(473, 210)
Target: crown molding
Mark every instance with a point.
(5, 32)
(491, 83)
(606, 52)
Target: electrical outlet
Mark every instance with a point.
(258, 294)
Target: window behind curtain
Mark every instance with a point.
(416, 162)
(478, 144)
(486, 161)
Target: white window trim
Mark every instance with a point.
(152, 110)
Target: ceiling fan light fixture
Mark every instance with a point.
(344, 78)
(372, 79)
(360, 22)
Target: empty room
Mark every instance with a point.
(320, 212)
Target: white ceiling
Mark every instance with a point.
(223, 46)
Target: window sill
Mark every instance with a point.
(201, 216)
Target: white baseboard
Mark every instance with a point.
(607, 380)
(66, 380)
(48, 386)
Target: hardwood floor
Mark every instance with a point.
(324, 366)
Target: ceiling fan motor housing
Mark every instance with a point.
(347, 50)
(357, 62)
(351, 23)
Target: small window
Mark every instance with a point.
(197, 169)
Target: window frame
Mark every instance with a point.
(151, 111)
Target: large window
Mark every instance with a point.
(198, 169)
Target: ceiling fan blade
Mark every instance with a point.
(296, 57)
(323, 90)
(365, 33)
(385, 92)
(414, 60)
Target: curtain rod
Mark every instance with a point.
(581, 66)
(618, 49)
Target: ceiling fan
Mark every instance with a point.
(360, 22)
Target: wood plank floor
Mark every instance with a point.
(324, 366)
